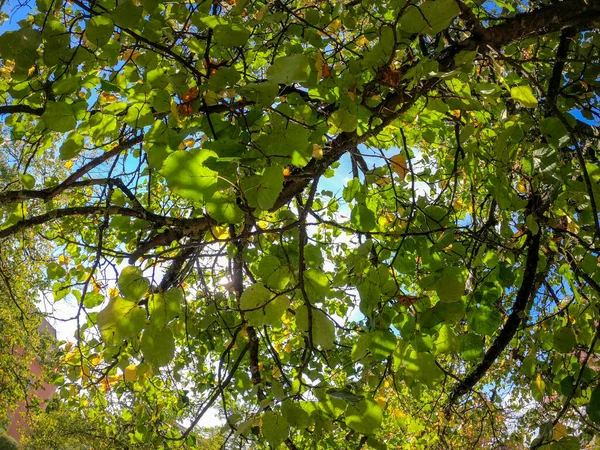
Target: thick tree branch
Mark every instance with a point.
(577, 15)
(15, 109)
(510, 327)
(559, 65)
(187, 227)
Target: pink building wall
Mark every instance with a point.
(21, 417)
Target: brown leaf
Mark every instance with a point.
(190, 95)
(399, 165)
(391, 77)
(407, 300)
(184, 110)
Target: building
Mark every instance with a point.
(43, 393)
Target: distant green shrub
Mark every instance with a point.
(8, 443)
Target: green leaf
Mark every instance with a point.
(275, 309)
(484, 320)
(139, 115)
(132, 283)
(295, 415)
(255, 297)
(27, 181)
(59, 117)
(316, 284)
(421, 366)
(449, 288)
(231, 35)
(120, 320)
(99, 30)
(564, 340)
(323, 329)
(224, 211)
(289, 69)
(164, 307)
(532, 224)
(362, 218)
(565, 443)
(345, 395)
(365, 417)
(273, 272)
(72, 146)
(158, 79)
(593, 407)
(555, 132)
(524, 95)
(262, 191)
(187, 175)
(447, 342)
(471, 346)
(55, 271)
(127, 14)
(380, 344)
(275, 428)
(442, 312)
(431, 17)
(92, 299)
(343, 120)
(158, 346)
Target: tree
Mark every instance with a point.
(342, 223)
(21, 342)
(7, 443)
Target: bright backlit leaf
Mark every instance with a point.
(365, 417)
(132, 284)
(524, 95)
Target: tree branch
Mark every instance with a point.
(187, 227)
(526, 290)
(14, 109)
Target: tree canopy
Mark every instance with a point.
(340, 224)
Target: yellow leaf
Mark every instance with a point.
(335, 25)
(559, 431)
(74, 354)
(113, 292)
(362, 41)
(130, 54)
(399, 165)
(381, 401)
(68, 164)
(189, 142)
(108, 98)
(95, 360)
(62, 259)
(319, 65)
(276, 373)
(220, 232)
(174, 110)
(130, 373)
(572, 225)
(539, 382)
(317, 152)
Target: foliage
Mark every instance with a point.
(7, 443)
(21, 342)
(354, 224)
(63, 430)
